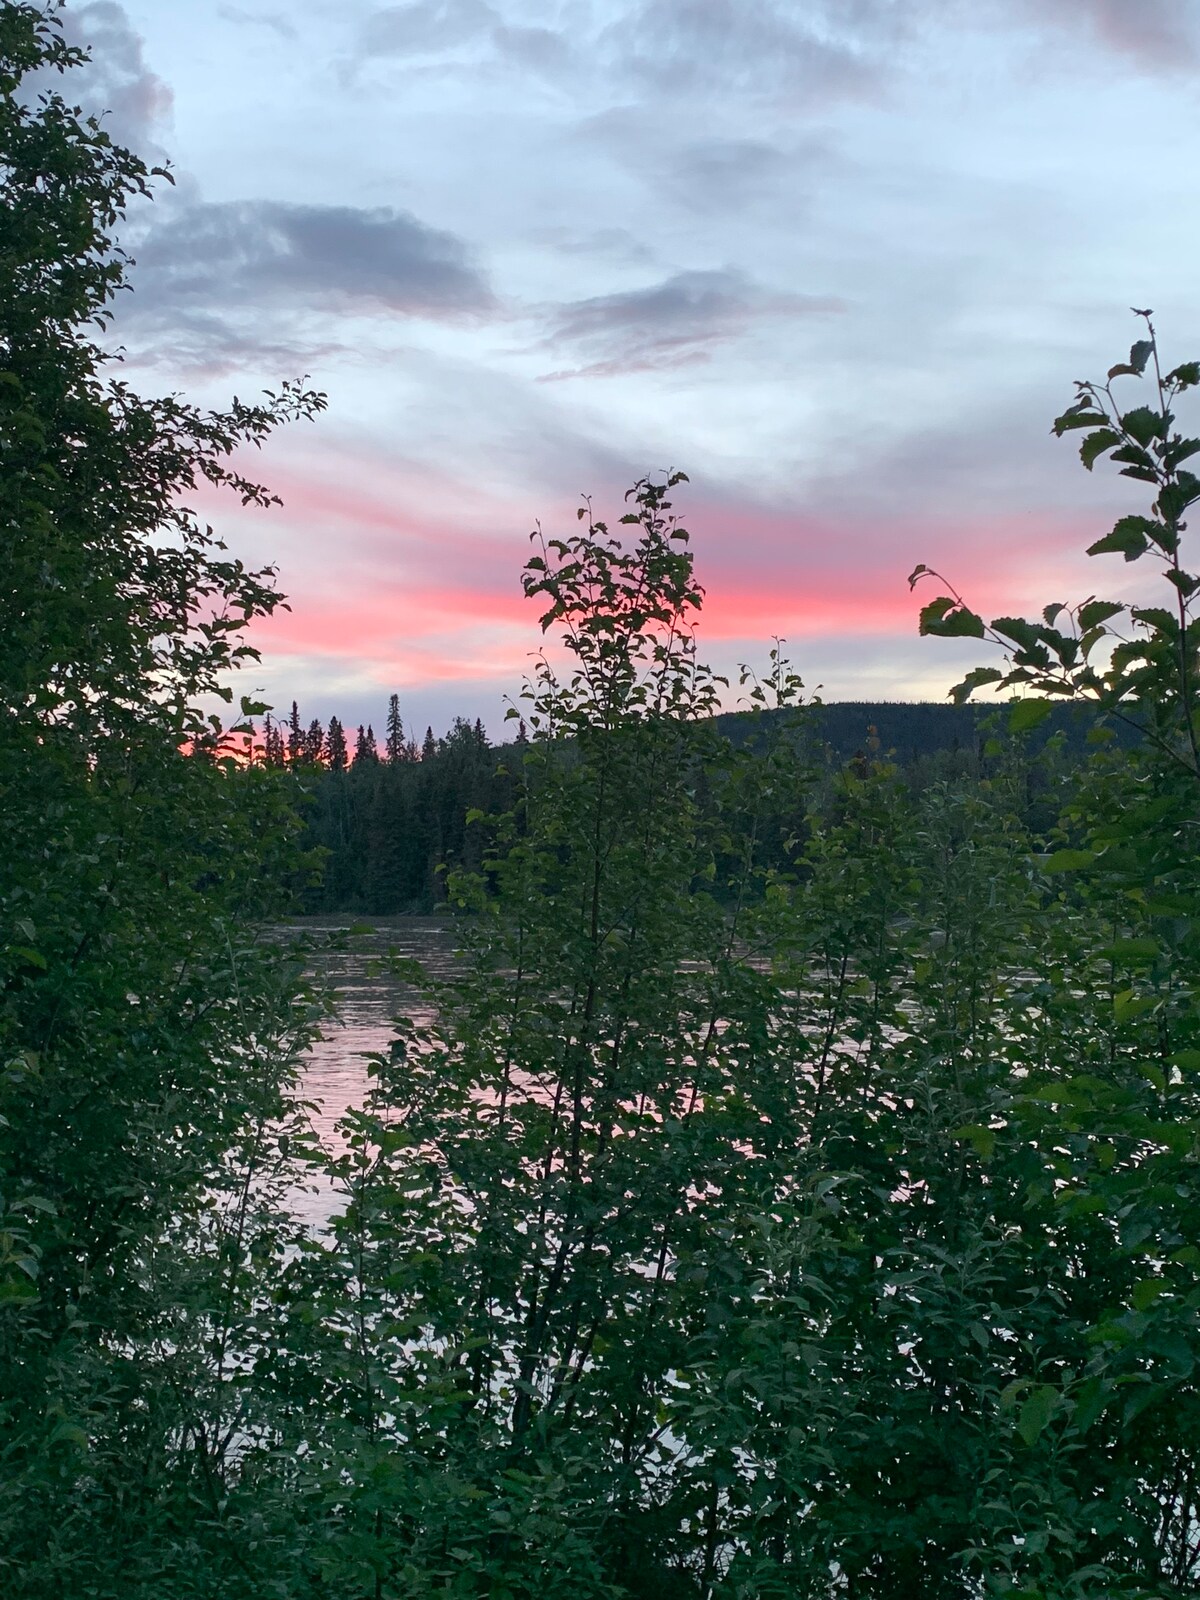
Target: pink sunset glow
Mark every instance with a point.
(847, 301)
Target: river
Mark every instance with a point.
(334, 1073)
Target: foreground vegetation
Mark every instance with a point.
(797, 1194)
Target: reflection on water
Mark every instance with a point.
(334, 1078)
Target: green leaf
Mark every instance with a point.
(1145, 425)
(1018, 629)
(1140, 353)
(1156, 618)
(69, 1433)
(1068, 860)
(1180, 450)
(1036, 1410)
(1094, 612)
(1175, 498)
(1091, 1401)
(1185, 376)
(1081, 415)
(948, 619)
(1027, 714)
(1139, 948)
(1012, 1392)
(1155, 1075)
(1096, 444)
(1128, 1004)
(1146, 1293)
(17, 1291)
(981, 1139)
(1128, 538)
(974, 679)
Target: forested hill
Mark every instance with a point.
(384, 817)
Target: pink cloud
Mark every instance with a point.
(462, 614)
(396, 574)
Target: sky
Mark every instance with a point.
(840, 261)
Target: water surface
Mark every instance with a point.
(367, 997)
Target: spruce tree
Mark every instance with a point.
(365, 750)
(295, 738)
(313, 748)
(396, 748)
(429, 748)
(336, 757)
(273, 752)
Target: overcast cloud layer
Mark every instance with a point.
(840, 260)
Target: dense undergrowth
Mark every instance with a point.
(797, 1193)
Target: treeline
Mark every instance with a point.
(381, 827)
(386, 819)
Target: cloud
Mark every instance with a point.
(249, 250)
(259, 276)
(542, 50)
(276, 21)
(669, 324)
(716, 173)
(1153, 34)
(755, 47)
(825, 49)
(621, 245)
(115, 85)
(427, 27)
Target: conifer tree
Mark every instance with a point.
(336, 756)
(395, 747)
(295, 738)
(313, 748)
(429, 748)
(364, 748)
(273, 752)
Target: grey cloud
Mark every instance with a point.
(607, 244)
(669, 324)
(329, 257)
(823, 49)
(115, 85)
(276, 21)
(760, 47)
(541, 49)
(803, 56)
(440, 28)
(426, 27)
(728, 169)
(206, 343)
(715, 173)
